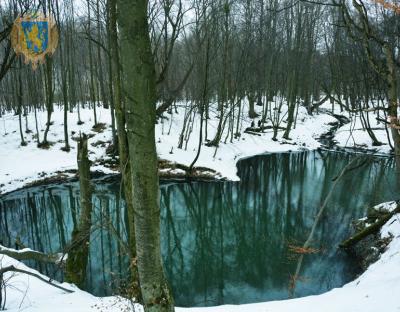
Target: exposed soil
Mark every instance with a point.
(167, 171)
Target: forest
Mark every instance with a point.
(221, 155)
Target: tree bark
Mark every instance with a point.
(140, 91)
(392, 109)
(78, 252)
(64, 86)
(20, 100)
(49, 98)
(29, 254)
(123, 148)
(91, 87)
(369, 230)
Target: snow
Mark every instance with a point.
(21, 165)
(376, 289)
(308, 129)
(27, 293)
(354, 135)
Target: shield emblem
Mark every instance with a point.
(34, 36)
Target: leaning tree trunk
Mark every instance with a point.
(140, 88)
(78, 252)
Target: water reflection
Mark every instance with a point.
(222, 242)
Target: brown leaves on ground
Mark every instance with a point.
(303, 250)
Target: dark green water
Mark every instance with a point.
(222, 242)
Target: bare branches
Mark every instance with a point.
(295, 3)
(171, 28)
(12, 268)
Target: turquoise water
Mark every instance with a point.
(222, 242)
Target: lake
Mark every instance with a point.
(222, 242)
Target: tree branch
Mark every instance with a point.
(29, 254)
(12, 268)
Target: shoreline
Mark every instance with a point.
(174, 172)
(171, 171)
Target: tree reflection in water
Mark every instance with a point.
(223, 242)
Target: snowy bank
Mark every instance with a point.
(375, 290)
(355, 136)
(21, 165)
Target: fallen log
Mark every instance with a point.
(12, 268)
(307, 243)
(260, 129)
(251, 132)
(318, 104)
(29, 254)
(372, 229)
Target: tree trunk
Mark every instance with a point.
(91, 87)
(392, 112)
(369, 230)
(49, 98)
(20, 99)
(140, 88)
(110, 82)
(64, 86)
(252, 113)
(99, 60)
(123, 149)
(78, 252)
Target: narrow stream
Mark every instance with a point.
(222, 242)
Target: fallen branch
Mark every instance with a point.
(392, 124)
(307, 244)
(371, 128)
(29, 254)
(12, 268)
(252, 133)
(383, 120)
(260, 129)
(372, 229)
(353, 168)
(318, 104)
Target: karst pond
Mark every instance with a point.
(222, 242)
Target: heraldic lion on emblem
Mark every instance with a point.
(34, 36)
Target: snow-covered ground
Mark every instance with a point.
(375, 290)
(27, 293)
(354, 135)
(21, 165)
